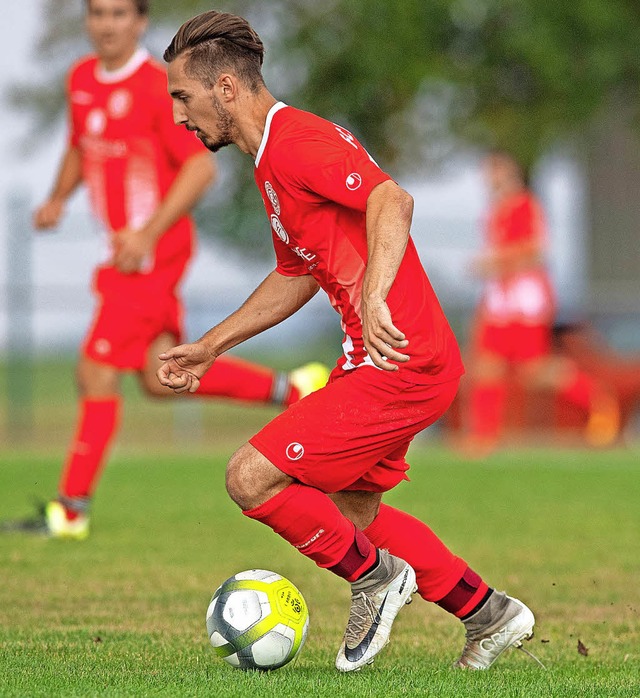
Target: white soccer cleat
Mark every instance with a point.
(59, 526)
(501, 623)
(376, 600)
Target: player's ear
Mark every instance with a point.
(143, 25)
(227, 87)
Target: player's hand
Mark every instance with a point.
(184, 366)
(130, 250)
(381, 337)
(48, 215)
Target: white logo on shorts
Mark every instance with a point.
(295, 451)
(102, 346)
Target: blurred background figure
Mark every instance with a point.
(144, 175)
(510, 354)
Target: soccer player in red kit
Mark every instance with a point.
(317, 472)
(512, 332)
(143, 176)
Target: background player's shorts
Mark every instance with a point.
(515, 341)
(354, 433)
(133, 310)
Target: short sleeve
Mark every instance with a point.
(287, 262)
(333, 166)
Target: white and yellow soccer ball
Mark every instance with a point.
(257, 620)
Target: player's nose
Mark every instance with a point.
(179, 117)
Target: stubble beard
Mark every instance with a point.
(226, 128)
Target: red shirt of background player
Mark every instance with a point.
(522, 296)
(131, 150)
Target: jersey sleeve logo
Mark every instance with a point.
(354, 181)
(81, 97)
(279, 229)
(273, 197)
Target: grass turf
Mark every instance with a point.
(122, 614)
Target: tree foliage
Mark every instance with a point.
(413, 79)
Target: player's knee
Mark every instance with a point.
(251, 479)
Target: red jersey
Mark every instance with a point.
(315, 179)
(121, 121)
(524, 296)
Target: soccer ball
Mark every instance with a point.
(257, 620)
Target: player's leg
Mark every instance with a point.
(579, 389)
(486, 396)
(97, 424)
(238, 379)
(441, 576)
(313, 524)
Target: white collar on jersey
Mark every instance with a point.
(126, 71)
(267, 127)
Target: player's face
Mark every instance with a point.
(498, 172)
(198, 109)
(115, 28)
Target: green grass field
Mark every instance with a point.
(122, 614)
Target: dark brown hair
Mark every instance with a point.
(142, 6)
(215, 42)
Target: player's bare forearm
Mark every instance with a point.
(277, 298)
(67, 180)
(389, 215)
(191, 182)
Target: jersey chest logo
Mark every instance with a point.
(119, 104)
(273, 197)
(279, 230)
(96, 122)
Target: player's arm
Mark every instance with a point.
(511, 258)
(276, 298)
(69, 176)
(193, 179)
(389, 214)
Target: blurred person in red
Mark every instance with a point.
(512, 329)
(143, 175)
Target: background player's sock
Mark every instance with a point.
(239, 379)
(97, 424)
(440, 575)
(312, 523)
(486, 410)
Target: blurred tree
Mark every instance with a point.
(413, 79)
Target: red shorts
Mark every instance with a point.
(354, 433)
(515, 342)
(133, 310)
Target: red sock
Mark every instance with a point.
(97, 424)
(579, 391)
(312, 523)
(242, 380)
(439, 573)
(486, 405)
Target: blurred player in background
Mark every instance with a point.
(512, 331)
(317, 472)
(144, 175)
